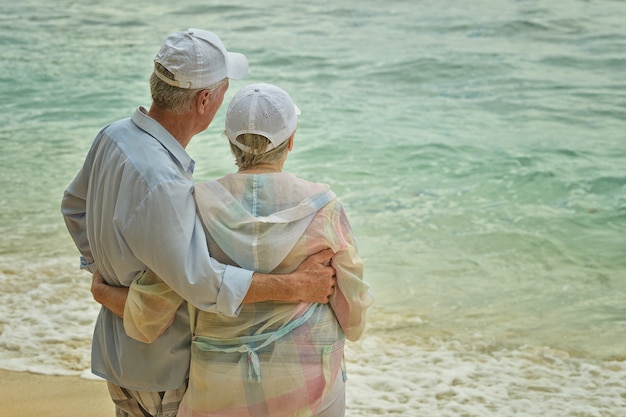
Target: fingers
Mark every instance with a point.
(331, 289)
(317, 277)
(322, 290)
(322, 256)
(97, 278)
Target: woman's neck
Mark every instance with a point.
(264, 168)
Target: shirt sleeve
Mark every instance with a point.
(73, 209)
(150, 308)
(352, 298)
(165, 234)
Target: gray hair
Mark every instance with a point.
(257, 155)
(178, 100)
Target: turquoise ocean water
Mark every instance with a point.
(478, 147)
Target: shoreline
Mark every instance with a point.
(25, 394)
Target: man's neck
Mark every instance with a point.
(180, 126)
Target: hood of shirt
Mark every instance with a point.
(256, 219)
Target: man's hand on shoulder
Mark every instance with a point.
(313, 282)
(315, 279)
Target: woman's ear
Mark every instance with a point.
(290, 144)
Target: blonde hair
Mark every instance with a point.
(178, 100)
(257, 155)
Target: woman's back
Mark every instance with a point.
(285, 354)
(267, 223)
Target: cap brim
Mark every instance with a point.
(237, 66)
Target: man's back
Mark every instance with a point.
(118, 187)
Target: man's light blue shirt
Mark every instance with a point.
(131, 207)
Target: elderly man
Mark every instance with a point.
(131, 208)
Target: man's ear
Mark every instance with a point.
(202, 101)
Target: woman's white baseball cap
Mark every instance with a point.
(261, 109)
(199, 59)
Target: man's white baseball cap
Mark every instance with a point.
(261, 109)
(198, 59)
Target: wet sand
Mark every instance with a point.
(23, 394)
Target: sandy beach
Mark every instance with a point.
(23, 394)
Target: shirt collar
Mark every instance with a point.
(169, 142)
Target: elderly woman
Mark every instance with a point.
(274, 358)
